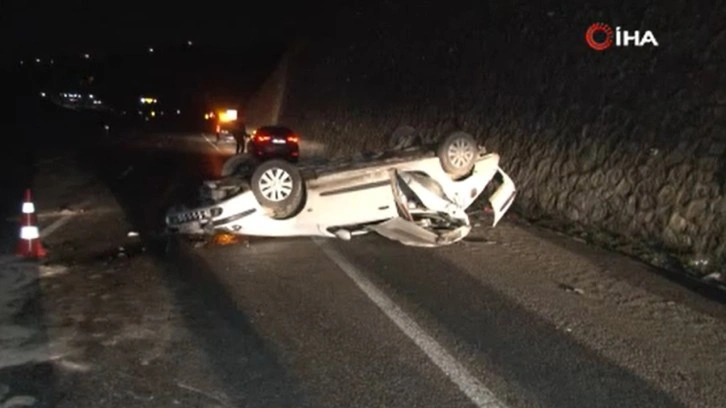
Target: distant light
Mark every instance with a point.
(86, 56)
(161, 113)
(90, 96)
(22, 62)
(105, 127)
(37, 60)
(141, 113)
(153, 114)
(190, 43)
(52, 62)
(178, 112)
(229, 116)
(123, 112)
(151, 49)
(42, 94)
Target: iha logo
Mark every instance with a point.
(601, 36)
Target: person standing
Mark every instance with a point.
(241, 136)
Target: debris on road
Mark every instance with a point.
(716, 276)
(571, 289)
(19, 401)
(223, 238)
(47, 271)
(126, 172)
(73, 366)
(66, 209)
(478, 240)
(196, 390)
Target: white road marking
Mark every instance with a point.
(210, 142)
(479, 394)
(55, 225)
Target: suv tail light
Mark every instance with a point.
(293, 139)
(262, 138)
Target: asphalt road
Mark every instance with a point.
(513, 317)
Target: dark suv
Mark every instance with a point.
(270, 142)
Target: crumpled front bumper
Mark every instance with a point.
(223, 216)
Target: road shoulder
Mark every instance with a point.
(101, 321)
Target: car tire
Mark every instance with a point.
(404, 138)
(284, 200)
(457, 154)
(237, 165)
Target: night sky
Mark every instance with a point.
(234, 45)
(38, 28)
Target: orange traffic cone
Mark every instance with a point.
(29, 245)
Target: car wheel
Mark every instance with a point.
(458, 153)
(403, 138)
(278, 187)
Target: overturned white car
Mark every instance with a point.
(418, 197)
